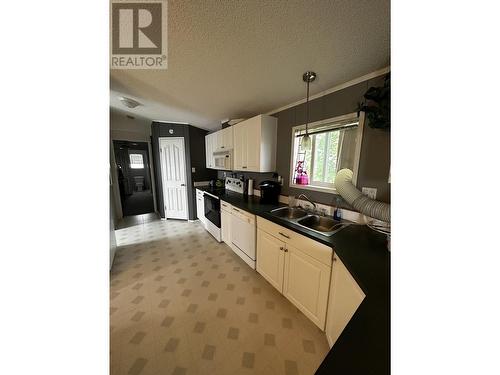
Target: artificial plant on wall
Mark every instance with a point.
(377, 105)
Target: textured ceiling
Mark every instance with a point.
(232, 59)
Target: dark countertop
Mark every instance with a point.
(364, 345)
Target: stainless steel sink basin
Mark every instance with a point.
(289, 212)
(322, 224)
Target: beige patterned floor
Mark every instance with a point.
(181, 303)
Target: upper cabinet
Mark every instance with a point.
(210, 145)
(224, 139)
(254, 144)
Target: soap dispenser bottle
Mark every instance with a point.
(337, 213)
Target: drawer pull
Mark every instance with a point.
(284, 235)
(236, 209)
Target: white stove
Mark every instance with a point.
(234, 184)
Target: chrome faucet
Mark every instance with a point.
(307, 199)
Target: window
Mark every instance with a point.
(136, 161)
(335, 145)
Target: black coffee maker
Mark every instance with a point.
(269, 191)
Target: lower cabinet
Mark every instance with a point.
(200, 206)
(345, 298)
(225, 226)
(270, 259)
(296, 273)
(306, 284)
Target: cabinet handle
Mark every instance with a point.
(221, 146)
(286, 250)
(243, 167)
(284, 235)
(236, 209)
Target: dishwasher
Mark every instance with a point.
(243, 237)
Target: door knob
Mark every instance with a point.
(183, 184)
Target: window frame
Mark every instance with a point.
(357, 152)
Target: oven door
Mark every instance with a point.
(212, 209)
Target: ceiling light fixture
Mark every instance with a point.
(306, 143)
(129, 103)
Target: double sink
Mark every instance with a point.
(320, 224)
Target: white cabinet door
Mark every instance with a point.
(218, 138)
(306, 284)
(253, 144)
(227, 138)
(345, 298)
(247, 145)
(225, 225)
(240, 146)
(270, 258)
(210, 144)
(207, 151)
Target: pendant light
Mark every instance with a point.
(306, 143)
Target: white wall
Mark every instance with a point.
(125, 129)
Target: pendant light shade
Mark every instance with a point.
(306, 142)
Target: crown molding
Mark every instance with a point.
(344, 85)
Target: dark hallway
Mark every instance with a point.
(134, 177)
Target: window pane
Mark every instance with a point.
(136, 161)
(300, 154)
(331, 163)
(319, 141)
(307, 163)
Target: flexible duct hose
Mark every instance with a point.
(360, 202)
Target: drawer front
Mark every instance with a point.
(314, 249)
(225, 206)
(243, 215)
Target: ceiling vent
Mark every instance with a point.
(129, 103)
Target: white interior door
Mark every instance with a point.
(173, 173)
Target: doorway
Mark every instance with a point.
(134, 177)
(173, 176)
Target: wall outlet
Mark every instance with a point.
(370, 192)
(193, 170)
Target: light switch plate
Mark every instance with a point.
(193, 170)
(370, 192)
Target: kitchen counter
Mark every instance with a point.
(364, 345)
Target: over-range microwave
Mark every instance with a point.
(223, 160)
